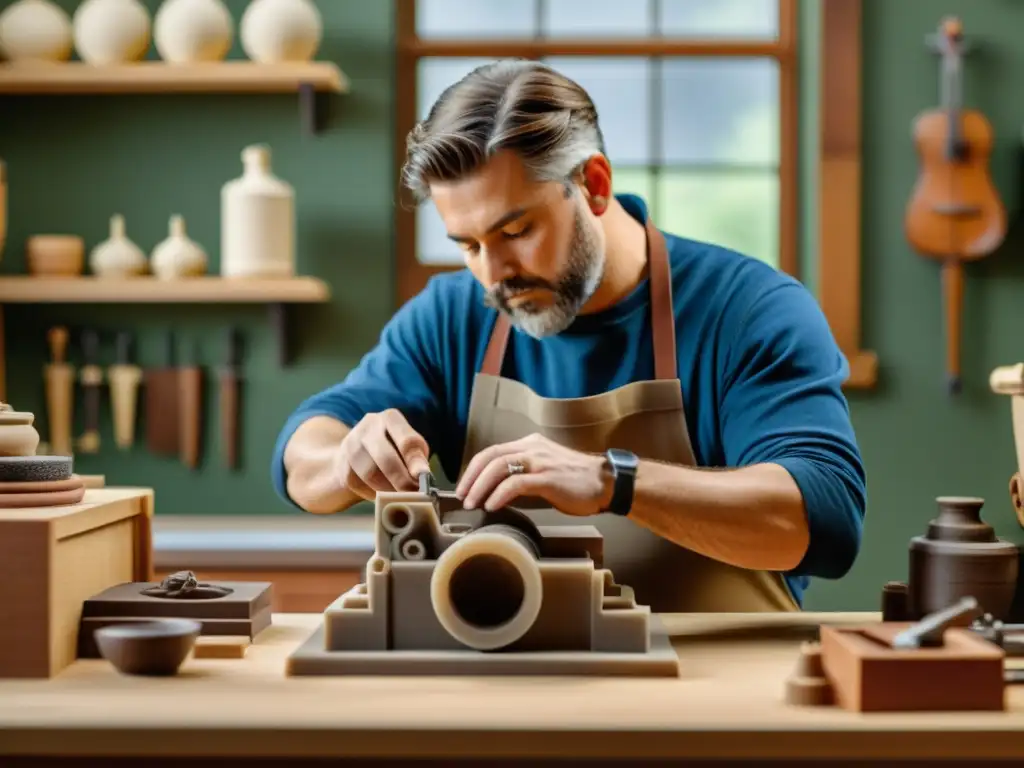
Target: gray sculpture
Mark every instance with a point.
(451, 591)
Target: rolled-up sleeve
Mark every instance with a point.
(400, 372)
(782, 402)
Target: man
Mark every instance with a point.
(588, 361)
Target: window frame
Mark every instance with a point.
(838, 158)
(839, 168)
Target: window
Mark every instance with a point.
(696, 98)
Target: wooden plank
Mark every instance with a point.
(27, 289)
(839, 186)
(160, 77)
(221, 647)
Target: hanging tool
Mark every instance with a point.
(190, 407)
(162, 394)
(230, 376)
(59, 378)
(91, 379)
(124, 377)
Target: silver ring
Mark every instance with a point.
(515, 468)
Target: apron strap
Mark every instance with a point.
(663, 319)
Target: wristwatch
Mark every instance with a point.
(623, 466)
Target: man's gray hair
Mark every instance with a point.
(523, 106)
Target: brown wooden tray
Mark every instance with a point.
(246, 611)
(247, 599)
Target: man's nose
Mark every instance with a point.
(497, 267)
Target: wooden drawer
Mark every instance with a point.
(294, 591)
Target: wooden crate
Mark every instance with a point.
(53, 559)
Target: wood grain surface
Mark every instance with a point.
(727, 703)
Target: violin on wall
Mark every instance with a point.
(955, 214)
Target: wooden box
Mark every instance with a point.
(53, 559)
(965, 674)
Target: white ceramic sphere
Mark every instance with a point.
(279, 31)
(111, 31)
(189, 31)
(35, 30)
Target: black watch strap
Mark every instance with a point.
(623, 465)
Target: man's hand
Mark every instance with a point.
(572, 482)
(381, 453)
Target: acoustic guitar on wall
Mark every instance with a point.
(955, 214)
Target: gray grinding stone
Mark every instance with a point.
(20, 469)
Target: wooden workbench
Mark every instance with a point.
(726, 704)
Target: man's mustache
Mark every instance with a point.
(508, 289)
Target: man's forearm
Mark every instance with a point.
(309, 465)
(752, 517)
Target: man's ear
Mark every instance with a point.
(597, 183)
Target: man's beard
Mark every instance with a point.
(571, 291)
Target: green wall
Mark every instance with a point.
(917, 441)
(73, 161)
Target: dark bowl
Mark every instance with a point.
(155, 647)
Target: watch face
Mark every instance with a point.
(623, 459)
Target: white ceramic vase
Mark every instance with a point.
(117, 256)
(111, 31)
(278, 31)
(192, 31)
(178, 255)
(35, 31)
(257, 221)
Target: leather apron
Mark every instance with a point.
(647, 418)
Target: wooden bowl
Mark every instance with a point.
(156, 647)
(55, 255)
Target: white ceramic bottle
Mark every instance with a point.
(277, 31)
(35, 31)
(177, 255)
(111, 31)
(117, 256)
(257, 221)
(191, 31)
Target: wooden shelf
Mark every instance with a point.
(309, 80)
(160, 77)
(28, 289)
(277, 294)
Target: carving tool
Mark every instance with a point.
(91, 378)
(59, 377)
(124, 377)
(230, 398)
(190, 407)
(928, 632)
(162, 426)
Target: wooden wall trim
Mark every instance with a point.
(839, 185)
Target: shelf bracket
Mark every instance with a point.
(312, 108)
(279, 317)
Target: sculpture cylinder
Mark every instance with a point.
(486, 588)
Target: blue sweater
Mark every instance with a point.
(761, 377)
